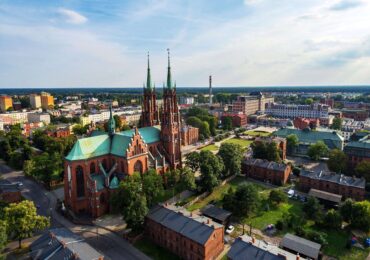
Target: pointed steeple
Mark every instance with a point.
(148, 77)
(169, 79)
(111, 122)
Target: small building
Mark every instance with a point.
(356, 114)
(217, 214)
(327, 198)
(347, 186)
(9, 192)
(303, 247)
(184, 233)
(238, 120)
(61, 243)
(358, 151)
(189, 135)
(263, 170)
(302, 123)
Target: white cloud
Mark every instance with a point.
(72, 16)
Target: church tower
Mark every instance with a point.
(111, 122)
(170, 122)
(149, 116)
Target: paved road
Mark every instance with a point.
(105, 241)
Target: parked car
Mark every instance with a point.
(230, 229)
(290, 193)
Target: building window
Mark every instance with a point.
(138, 167)
(80, 181)
(92, 168)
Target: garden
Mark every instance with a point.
(256, 133)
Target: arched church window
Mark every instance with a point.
(138, 167)
(80, 181)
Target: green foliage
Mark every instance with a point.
(80, 129)
(346, 210)
(292, 143)
(152, 185)
(227, 123)
(172, 177)
(187, 179)
(277, 196)
(192, 161)
(211, 167)
(200, 118)
(337, 123)
(317, 150)
(332, 219)
(22, 220)
(337, 161)
(309, 101)
(266, 150)
(360, 218)
(363, 170)
(202, 125)
(313, 209)
(3, 236)
(231, 155)
(118, 122)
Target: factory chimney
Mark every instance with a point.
(210, 90)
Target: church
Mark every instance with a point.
(96, 164)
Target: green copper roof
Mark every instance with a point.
(120, 144)
(99, 181)
(150, 134)
(90, 147)
(359, 144)
(114, 183)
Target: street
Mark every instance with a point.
(105, 241)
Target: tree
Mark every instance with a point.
(317, 150)
(192, 161)
(332, 219)
(292, 143)
(346, 209)
(172, 177)
(231, 155)
(203, 126)
(152, 186)
(266, 150)
(187, 179)
(22, 220)
(309, 101)
(363, 170)
(361, 215)
(28, 167)
(3, 236)
(277, 196)
(337, 161)
(79, 129)
(227, 123)
(337, 123)
(211, 167)
(118, 121)
(312, 208)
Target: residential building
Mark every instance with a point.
(238, 120)
(302, 123)
(356, 114)
(11, 118)
(301, 246)
(38, 117)
(17, 105)
(279, 141)
(27, 128)
(61, 243)
(347, 186)
(263, 170)
(307, 137)
(6, 102)
(327, 101)
(9, 192)
(263, 120)
(47, 100)
(248, 105)
(96, 164)
(292, 111)
(59, 132)
(184, 233)
(358, 151)
(189, 135)
(35, 101)
(349, 127)
(186, 100)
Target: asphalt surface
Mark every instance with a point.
(111, 245)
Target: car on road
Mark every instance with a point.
(230, 229)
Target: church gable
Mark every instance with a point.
(137, 145)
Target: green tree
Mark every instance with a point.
(118, 122)
(212, 122)
(363, 170)
(312, 208)
(192, 161)
(337, 161)
(277, 196)
(22, 220)
(346, 209)
(211, 167)
(231, 155)
(317, 150)
(266, 150)
(79, 129)
(3, 236)
(187, 179)
(292, 143)
(172, 177)
(337, 123)
(333, 219)
(227, 123)
(361, 216)
(309, 101)
(152, 186)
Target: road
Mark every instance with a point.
(108, 243)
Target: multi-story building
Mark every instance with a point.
(356, 114)
(96, 164)
(358, 151)
(27, 128)
(249, 105)
(186, 100)
(189, 135)
(15, 117)
(38, 117)
(303, 123)
(47, 100)
(238, 120)
(184, 233)
(349, 127)
(292, 111)
(263, 120)
(6, 102)
(347, 186)
(59, 132)
(263, 170)
(35, 101)
(307, 137)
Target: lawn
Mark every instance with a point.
(154, 251)
(210, 147)
(256, 133)
(244, 143)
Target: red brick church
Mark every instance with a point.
(96, 164)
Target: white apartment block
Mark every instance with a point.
(186, 100)
(39, 117)
(292, 111)
(16, 117)
(35, 101)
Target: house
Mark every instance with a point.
(303, 247)
(358, 151)
(61, 243)
(217, 214)
(263, 170)
(184, 233)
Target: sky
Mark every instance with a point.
(100, 43)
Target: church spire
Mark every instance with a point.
(111, 122)
(169, 79)
(148, 77)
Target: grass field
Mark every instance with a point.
(210, 147)
(154, 251)
(244, 143)
(256, 133)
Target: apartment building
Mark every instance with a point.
(292, 111)
(358, 151)
(249, 105)
(12, 118)
(6, 102)
(47, 100)
(35, 101)
(38, 117)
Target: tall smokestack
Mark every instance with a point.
(210, 90)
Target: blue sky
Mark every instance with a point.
(96, 43)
